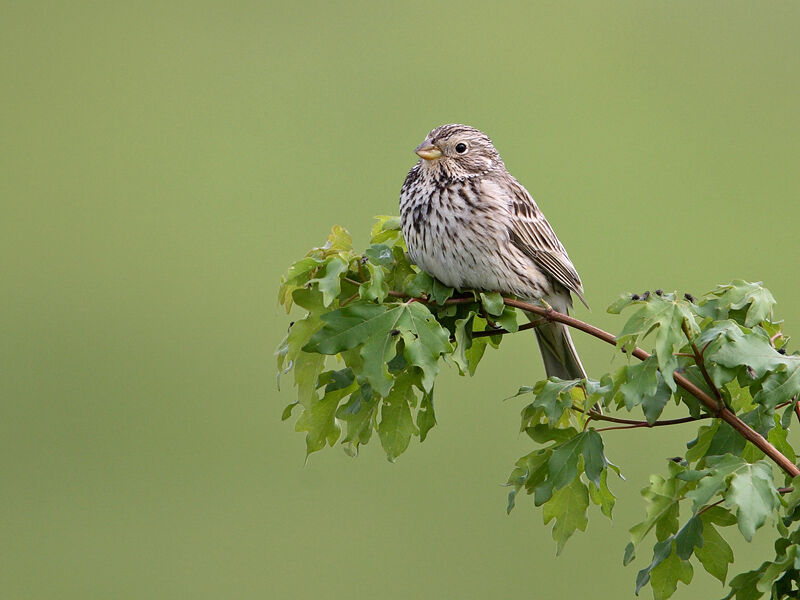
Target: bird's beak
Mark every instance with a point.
(428, 151)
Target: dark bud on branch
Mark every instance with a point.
(689, 297)
(634, 296)
(659, 292)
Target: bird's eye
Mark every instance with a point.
(461, 147)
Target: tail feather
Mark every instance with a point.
(558, 352)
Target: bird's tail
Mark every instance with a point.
(558, 352)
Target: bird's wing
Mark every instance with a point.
(531, 233)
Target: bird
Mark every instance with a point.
(470, 224)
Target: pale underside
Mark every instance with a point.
(485, 233)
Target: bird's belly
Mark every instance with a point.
(469, 254)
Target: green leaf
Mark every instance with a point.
(529, 472)
(734, 346)
(735, 296)
(661, 551)
(630, 554)
(426, 418)
(665, 576)
(792, 499)
(553, 396)
(287, 412)
(641, 381)
(786, 560)
(665, 318)
(752, 492)
(339, 240)
(720, 470)
(715, 554)
(599, 392)
(568, 507)
(492, 303)
(593, 458)
(718, 516)
(475, 352)
(463, 336)
(377, 329)
(562, 467)
(307, 368)
(761, 419)
(351, 326)
(601, 495)
(387, 229)
(689, 537)
(661, 503)
(779, 386)
(544, 432)
(624, 301)
(440, 292)
(330, 283)
(425, 341)
(311, 299)
(508, 320)
(747, 488)
(368, 325)
(420, 284)
(296, 276)
(563, 464)
(397, 426)
(359, 414)
(375, 288)
(380, 254)
(402, 272)
(653, 406)
(319, 421)
(726, 440)
(744, 586)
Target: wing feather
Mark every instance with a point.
(531, 233)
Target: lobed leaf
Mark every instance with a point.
(568, 508)
(665, 318)
(735, 296)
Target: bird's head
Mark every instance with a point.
(457, 151)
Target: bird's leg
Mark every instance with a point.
(547, 307)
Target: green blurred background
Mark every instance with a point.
(164, 162)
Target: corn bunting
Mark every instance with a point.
(468, 222)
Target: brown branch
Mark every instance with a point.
(488, 332)
(349, 300)
(723, 413)
(637, 424)
(461, 300)
(701, 363)
(705, 508)
(781, 490)
(775, 337)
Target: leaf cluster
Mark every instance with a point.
(375, 331)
